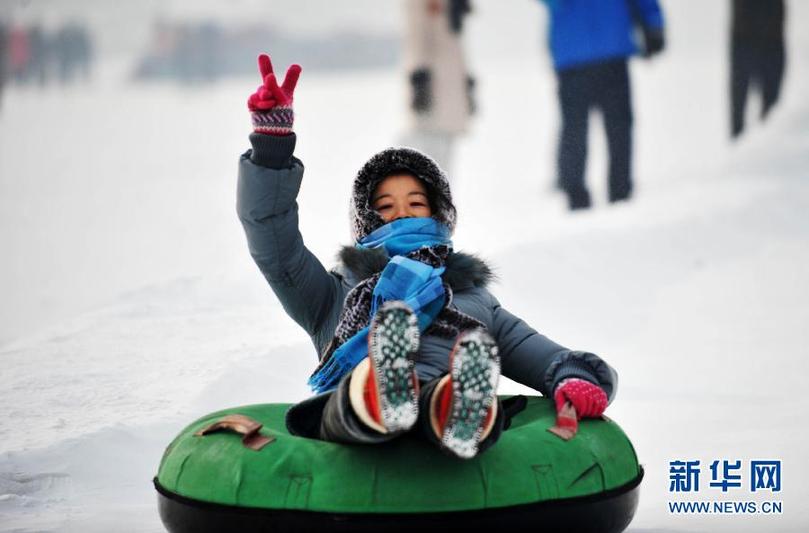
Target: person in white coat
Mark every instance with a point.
(440, 96)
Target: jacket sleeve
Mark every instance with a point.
(268, 184)
(536, 361)
(649, 13)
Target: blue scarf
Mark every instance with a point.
(417, 284)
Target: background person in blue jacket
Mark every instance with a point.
(591, 41)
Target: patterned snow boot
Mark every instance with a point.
(464, 404)
(390, 390)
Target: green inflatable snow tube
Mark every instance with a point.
(529, 479)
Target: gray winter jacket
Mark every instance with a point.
(269, 180)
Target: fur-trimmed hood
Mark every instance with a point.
(364, 219)
(463, 271)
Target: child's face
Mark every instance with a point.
(401, 196)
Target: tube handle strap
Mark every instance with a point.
(243, 425)
(567, 423)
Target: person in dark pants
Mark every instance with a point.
(604, 86)
(591, 42)
(757, 56)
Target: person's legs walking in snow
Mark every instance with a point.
(574, 105)
(616, 106)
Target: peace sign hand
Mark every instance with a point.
(271, 105)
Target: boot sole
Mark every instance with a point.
(392, 345)
(475, 370)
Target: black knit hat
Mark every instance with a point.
(364, 219)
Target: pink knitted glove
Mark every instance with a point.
(589, 400)
(271, 106)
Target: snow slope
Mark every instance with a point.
(131, 306)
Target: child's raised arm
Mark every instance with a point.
(269, 181)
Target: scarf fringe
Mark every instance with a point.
(328, 374)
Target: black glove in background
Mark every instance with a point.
(653, 41)
(421, 85)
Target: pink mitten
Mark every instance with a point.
(588, 399)
(271, 106)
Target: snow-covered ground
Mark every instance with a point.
(130, 305)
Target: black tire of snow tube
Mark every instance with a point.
(607, 512)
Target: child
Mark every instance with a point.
(408, 334)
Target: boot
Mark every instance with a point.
(578, 199)
(384, 387)
(464, 404)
